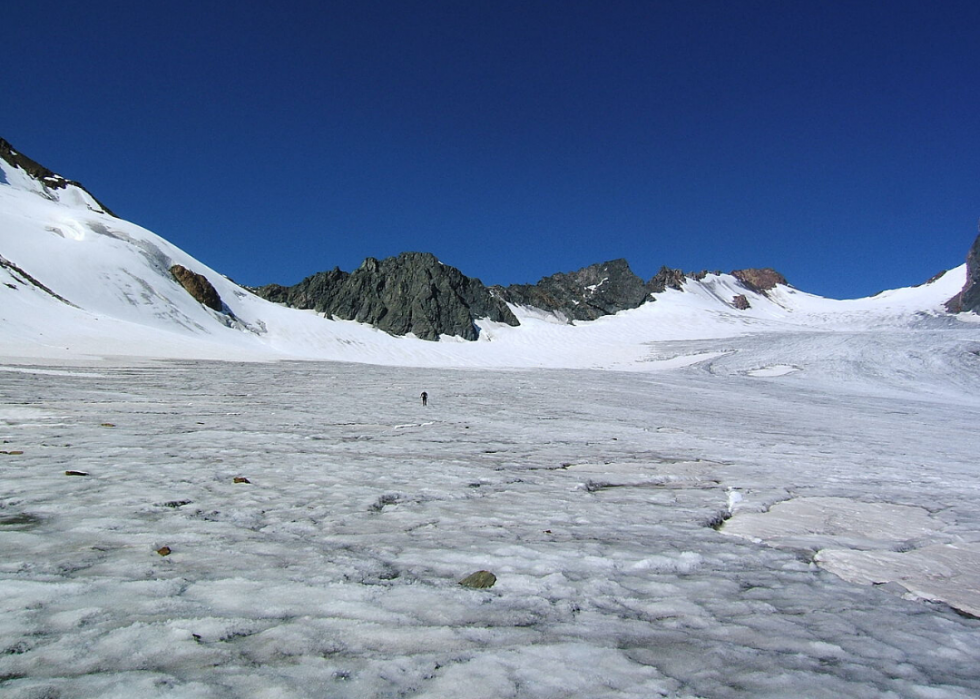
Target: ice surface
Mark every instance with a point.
(317, 519)
(594, 498)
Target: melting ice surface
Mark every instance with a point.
(594, 497)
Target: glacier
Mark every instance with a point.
(681, 500)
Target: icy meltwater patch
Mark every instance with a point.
(685, 474)
(947, 573)
(862, 542)
(838, 520)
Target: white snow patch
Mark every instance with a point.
(948, 573)
(774, 370)
(858, 541)
(832, 519)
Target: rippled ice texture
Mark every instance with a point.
(333, 573)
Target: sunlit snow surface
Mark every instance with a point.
(681, 500)
(593, 497)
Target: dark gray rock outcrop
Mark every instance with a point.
(315, 292)
(969, 297)
(591, 292)
(48, 178)
(411, 293)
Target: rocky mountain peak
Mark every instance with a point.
(31, 167)
(410, 293)
(589, 293)
(49, 179)
(759, 280)
(667, 278)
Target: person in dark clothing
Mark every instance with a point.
(425, 398)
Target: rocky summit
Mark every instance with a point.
(411, 293)
(759, 280)
(48, 178)
(591, 292)
(415, 293)
(667, 278)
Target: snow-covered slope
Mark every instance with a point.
(839, 433)
(77, 282)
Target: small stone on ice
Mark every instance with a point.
(479, 580)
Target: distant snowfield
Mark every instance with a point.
(682, 500)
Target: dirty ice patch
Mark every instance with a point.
(682, 474)
(947, 573)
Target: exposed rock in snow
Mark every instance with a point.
(411, 293)
(667, 278)
(198, 286)
(480, 580)
(591, 292)
(968, 299)
(740, 302)
(47, 180)
(759, 280)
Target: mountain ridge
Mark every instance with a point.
(414, 293)
(75, 279)
(48, 179)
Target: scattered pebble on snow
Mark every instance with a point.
(479, 580)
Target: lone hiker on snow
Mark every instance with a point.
(425, 398)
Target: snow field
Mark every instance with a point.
(126, 304)
(591, 496)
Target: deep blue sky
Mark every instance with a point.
(838, 142)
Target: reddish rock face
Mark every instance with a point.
(761, 280)
(667, 278)
(197, 286)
